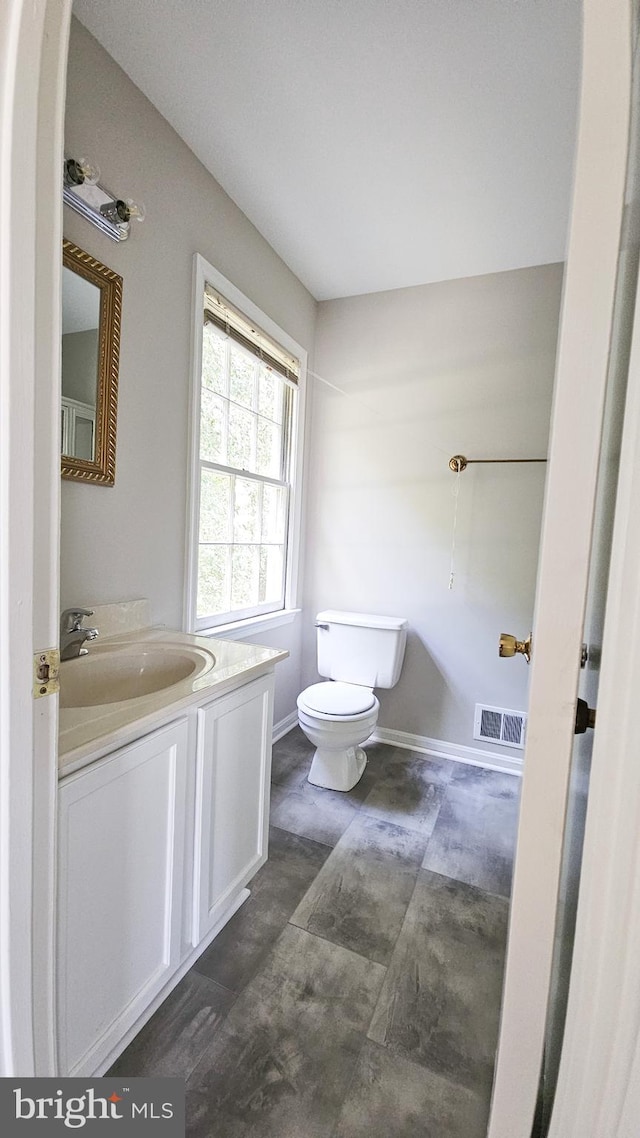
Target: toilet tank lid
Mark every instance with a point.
(362, 619)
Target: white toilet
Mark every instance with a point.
(357, 651)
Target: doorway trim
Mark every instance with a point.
(577, 419)
(599, 1079)
(33, 53)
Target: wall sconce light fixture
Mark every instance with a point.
(80, 172)
(121, 213)
(81, 191)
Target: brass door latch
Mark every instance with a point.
(46, 673)
(509, 646)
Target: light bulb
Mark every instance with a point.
(80, 172)
(136, 209)
(89, 171)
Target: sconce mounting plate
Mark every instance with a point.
(87, 200)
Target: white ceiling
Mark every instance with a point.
(374, 143)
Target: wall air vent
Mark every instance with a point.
(500, 725)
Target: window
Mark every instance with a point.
(245, 427)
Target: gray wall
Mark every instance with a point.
(129, 541)
(463, 366)
(467, 367)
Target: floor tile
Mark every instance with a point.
(361, 894)
(281, 1065)
(493, 784)
(440, 1002)
(239, 949)
(390, 1097)
(313, 812)
(291, 759)
(289, 1058)
(474, 840)
(381, 755)
(410, 792)
(174, 1039)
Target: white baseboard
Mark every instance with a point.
(443, 750)
(284, 726)
(439, 748)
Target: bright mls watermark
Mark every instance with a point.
(136, 1107)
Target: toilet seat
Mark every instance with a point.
(336, 699)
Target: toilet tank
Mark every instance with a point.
(360, 648)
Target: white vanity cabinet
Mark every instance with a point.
(157, 841)
(232, 798)
(120, 881)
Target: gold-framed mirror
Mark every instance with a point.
(91, 316)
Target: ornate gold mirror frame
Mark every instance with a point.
(101, 469)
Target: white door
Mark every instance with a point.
(598, 1089)
(587, 330)
(582, 762)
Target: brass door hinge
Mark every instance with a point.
(46, 673)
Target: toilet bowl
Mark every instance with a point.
(357, 651)
(337, 718)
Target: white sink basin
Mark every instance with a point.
(111, 674)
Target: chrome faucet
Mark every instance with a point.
(73, 635)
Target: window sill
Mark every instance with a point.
(237, 629)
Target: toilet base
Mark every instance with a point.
(337, 770)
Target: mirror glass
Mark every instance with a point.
(80, 345)
(91, 311)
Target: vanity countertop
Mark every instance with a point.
(87, 733)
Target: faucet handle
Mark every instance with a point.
(71, 619)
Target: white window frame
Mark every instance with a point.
(203, 274)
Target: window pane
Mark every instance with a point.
(242, 433)
(245, 428)
(269, 454)
(242, 378)
(246, 514)
(212, 428)
(213, 579)
(245, 575)
(270, 394)
(271, 572)
(215, 506)
(274, 502)
(213, 359)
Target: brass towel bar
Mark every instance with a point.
(459, 463)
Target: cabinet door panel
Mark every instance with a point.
(232, 800)
(121, 843)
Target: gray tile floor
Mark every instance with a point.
(357, 992)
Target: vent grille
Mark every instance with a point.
(500, 725)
